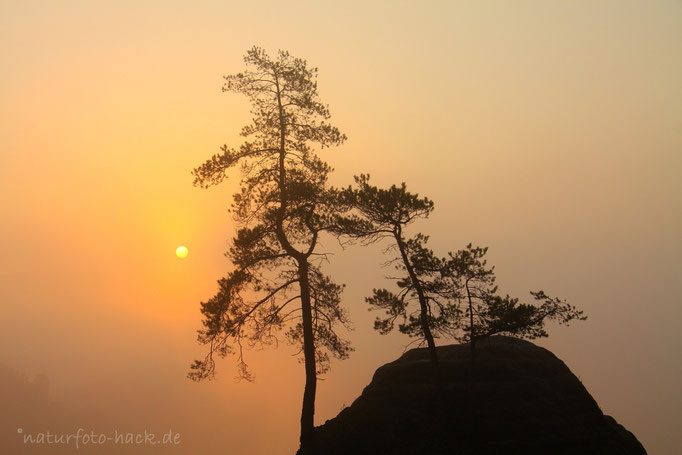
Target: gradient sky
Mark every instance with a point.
(549, 131)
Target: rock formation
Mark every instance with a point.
(522, 400)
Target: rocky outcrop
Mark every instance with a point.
(522, 400)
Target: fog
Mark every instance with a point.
(547, 131)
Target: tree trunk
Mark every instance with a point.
(424, 311)
(472, 366)
(308, 409)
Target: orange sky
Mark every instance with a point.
(549, 131)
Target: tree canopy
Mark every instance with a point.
(454, 296)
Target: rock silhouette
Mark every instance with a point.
(524, 401)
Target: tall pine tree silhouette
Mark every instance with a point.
(282, 208)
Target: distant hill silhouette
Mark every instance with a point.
(24, 403)
(526, 402)
(17, 391)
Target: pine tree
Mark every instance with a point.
(282, 208)
(487, 313)
(422, 307)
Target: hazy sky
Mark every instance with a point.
(550, 131)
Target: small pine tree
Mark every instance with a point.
(422, 307)
(487, 313)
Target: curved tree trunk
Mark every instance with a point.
(424, 311)
(310, 389)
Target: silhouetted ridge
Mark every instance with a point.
(526, 401)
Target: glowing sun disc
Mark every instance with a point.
(181, 252)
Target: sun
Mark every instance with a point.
(181, 252)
